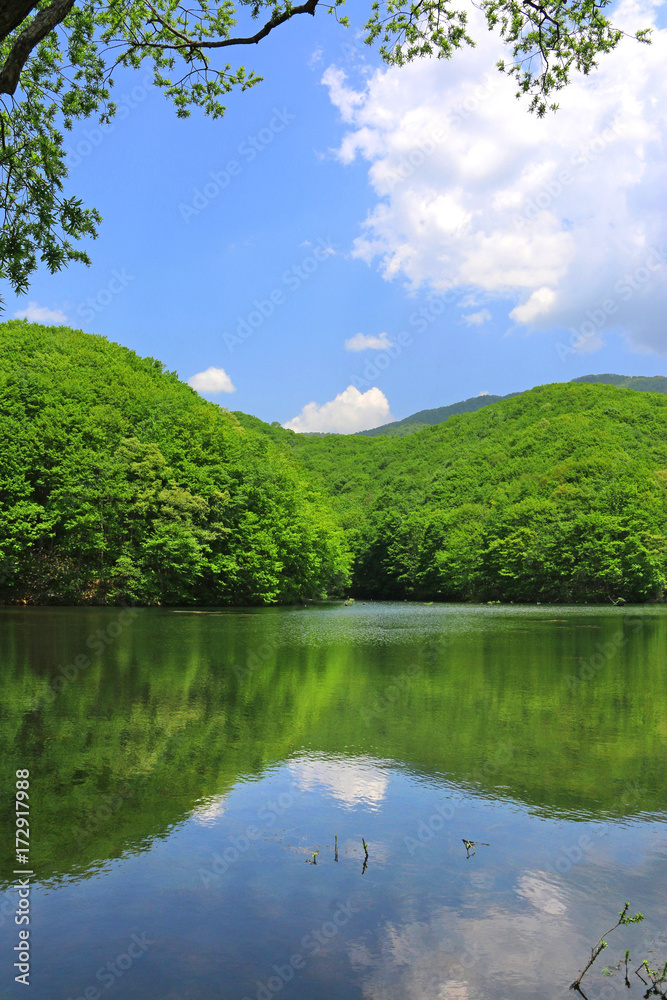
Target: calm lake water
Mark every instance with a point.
(185, 766)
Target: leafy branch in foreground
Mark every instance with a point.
(601, 944)
(548, 40)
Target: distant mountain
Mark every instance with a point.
(641, 383)
(424, 418)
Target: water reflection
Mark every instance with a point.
(189, 771)
(355, 782)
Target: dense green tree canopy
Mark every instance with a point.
(119, 483)
(57, 59)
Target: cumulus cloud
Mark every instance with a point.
(212, 380)
(350, 411)
(40, 314)
(362, 342)
(556, 216)
(478, 318)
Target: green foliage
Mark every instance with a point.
(559, 494)
(39, 221)
(118, 483)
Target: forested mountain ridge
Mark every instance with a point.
(416, 421)
(119, 483)
(427, 418)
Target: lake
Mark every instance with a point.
(202, 783)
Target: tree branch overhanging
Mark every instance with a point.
(31, 36)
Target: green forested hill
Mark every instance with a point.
(559, 494)
(119, 483)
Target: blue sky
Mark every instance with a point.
(422, 208)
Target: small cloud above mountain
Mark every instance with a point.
(212, 380)
(35, 313)
(349, 412)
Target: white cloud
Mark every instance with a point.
(345, 99)
(556, 216)
(212, 380)
(478, 318)
(40, 314)
(350, 411)
(362, 342)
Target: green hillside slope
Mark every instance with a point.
(559, 494)
(119, 483)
